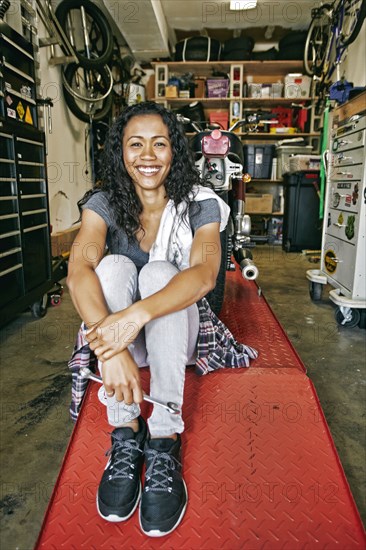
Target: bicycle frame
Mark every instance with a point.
(335, 49)
(333, 27)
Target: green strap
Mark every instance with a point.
(323, 147)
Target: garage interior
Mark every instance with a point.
(38, 333)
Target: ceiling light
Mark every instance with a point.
(243, 4)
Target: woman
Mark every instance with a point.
(139, 303)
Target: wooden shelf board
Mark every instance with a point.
(255, 68)
(267, 135)
(257, 180)
(265, 213)
(251, 100)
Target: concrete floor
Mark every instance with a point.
(35, 390)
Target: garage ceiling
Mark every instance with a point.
(152, 27)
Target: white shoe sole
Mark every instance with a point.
(113, 518)
(155, 532)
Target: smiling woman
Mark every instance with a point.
(147, 154)
(144, 303)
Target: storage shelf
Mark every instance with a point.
(238, 108)
(266, 180)
(253, 101)
(265, 213)
(255, 68)
(266, 135)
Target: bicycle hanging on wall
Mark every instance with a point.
(332, 29)
(84, 35)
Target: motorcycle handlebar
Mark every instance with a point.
(197, 126)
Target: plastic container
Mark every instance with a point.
(300, 163)
(258, 160)
(265, 91)
(284, 152)
(297, 85)
(302, 228)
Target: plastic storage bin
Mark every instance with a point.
(297, 85)
(265, 91)
(301, 163)
(258, 160)
(284, 152)
(302, 228)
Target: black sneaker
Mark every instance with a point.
(119, 490)
(164, 498)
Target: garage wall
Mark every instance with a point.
(354, 66)
(66, 162)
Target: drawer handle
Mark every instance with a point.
(340, 224)
(337, 260)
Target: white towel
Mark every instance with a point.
(174, 239)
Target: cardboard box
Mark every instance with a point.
(62, 240)
(256, 203)
(150, 88)
(171, 91)
(200, 87)
(221, 118)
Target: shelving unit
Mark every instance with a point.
(265, 72)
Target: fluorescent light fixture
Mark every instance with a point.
(243, 4)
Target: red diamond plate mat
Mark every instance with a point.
(260, 465)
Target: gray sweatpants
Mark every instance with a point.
(166, 344)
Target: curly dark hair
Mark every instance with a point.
(115, 180)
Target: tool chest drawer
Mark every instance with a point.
(348, 158)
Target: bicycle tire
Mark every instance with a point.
(316, 44)
(101, 57)
(104, 82)
(349, 36)
(85, 110)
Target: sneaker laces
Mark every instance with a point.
(122, 457)
(160, 466)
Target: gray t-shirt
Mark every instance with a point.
(200, 213)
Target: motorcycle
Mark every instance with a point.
(219, 158)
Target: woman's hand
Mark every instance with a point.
(115, 332)
(121, 377)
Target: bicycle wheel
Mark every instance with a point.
(353, 18)
(316, 45)
(94, 47)
(87, 92)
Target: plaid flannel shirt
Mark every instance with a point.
(216, 349)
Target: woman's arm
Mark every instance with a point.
(82, 281)
(183, 290)
(120, 374)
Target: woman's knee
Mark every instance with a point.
(115, 265)
(155, 276)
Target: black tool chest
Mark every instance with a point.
(25, 253)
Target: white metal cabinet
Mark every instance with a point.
(343, 259)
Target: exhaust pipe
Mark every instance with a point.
(245, 260)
